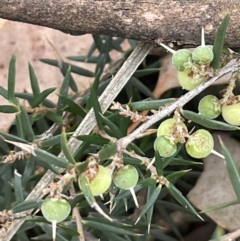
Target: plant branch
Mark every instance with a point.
(124, 141)
(144, 20)
(86, 126)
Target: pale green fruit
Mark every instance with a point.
(231, 114)
(202, 55)
(166, 128)
(164, 147)
(209, 107)
(200, 144)
(126, 178)
(100, 183)
(180, 57)
(187, 81)
(55, 209)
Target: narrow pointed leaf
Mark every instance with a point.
(26, 124)
(219, 42)
(3, 92)
(18, 189)
(26, 205)
(107, 227)
(108, 151)
(145, 71)
(181, 199)
(211, 124)
(51, 159)
(159, 163)
(151, 201)
(41, 97)
(29, 97)
(11, 80)
(28, 170)
(149, 213)
(98, 42)
(175, 175)
(141, 87)
(180, 161)
(220, 206)
(150, 104)
(64, 91)
(11, 137)
(65, 148)
(115, 130)
(34, 81)
(69, 230)
(73, 107)
(95, 103)
(53, 141)
(74, 68)
(9, 109)
(86, 190)
(90, 51)
(83, 58)
(54, 117)
(93, 139)
(232, 169)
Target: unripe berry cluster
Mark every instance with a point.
(194, 66)
(211, 107)
(171, 132)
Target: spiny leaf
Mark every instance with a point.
(9, 109)
(64, 91)
(18, 189)
(73, 107)
(11, 80)
(34, 81)
(41, 97)
(66, 149)
(26, 205)
(232, 169)
(181, 199)
(26, 124)
(220, 206)
(151, 201)
(150, 104)
(219, 42)
(51, 159)
(211, 124)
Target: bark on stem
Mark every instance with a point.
(177, 21)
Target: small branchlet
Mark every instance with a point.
(228, 96)
(134, 115)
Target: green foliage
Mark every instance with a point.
(44, 138)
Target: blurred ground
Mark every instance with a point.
(29, 43)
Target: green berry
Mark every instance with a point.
(164, 147)
(55, 209)
(180, 57)
(231, 113)
(188, 81)
(209, 107)
(166, 128)
(126, 178)
(101, 181)
(202, 55)
(200, 144)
